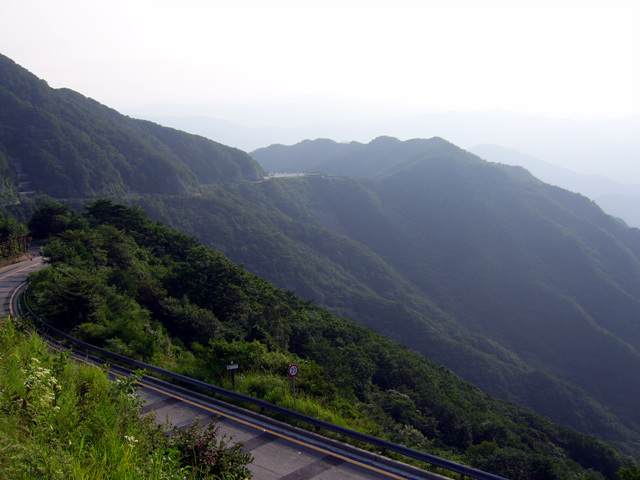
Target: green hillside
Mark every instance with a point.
(524, 289)
(120, 281)
(60, 143)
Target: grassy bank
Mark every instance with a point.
(60, 419)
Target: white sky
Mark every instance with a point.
(578, 59)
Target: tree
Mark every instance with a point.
(10, 228)
(632, 473)
(49, 219)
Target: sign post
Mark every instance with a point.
(293, 371)
(233, 367)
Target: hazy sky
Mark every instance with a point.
(578, 59)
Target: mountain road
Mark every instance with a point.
(279, 450)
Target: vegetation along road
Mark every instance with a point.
(279, 451)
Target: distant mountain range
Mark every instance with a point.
(600, 147)
(525, 289)
(596, 158)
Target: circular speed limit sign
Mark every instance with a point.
(293, 370)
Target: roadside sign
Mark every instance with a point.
(293, 370)
(232, 366)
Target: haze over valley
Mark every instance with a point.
(598, 159)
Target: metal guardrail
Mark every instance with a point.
(383, 444)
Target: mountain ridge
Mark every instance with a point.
(77, 147)
(613, 196)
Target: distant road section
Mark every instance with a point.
(11, 277)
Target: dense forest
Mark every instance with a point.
(121, 281)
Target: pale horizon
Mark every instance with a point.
(560, 59)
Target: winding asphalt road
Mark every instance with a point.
(279, 451)
(11, 277)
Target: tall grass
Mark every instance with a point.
(60, 420)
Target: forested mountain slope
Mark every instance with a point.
(63, 144)
(354, 159)
(307, 157)
(138, 288)
(527, 290)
